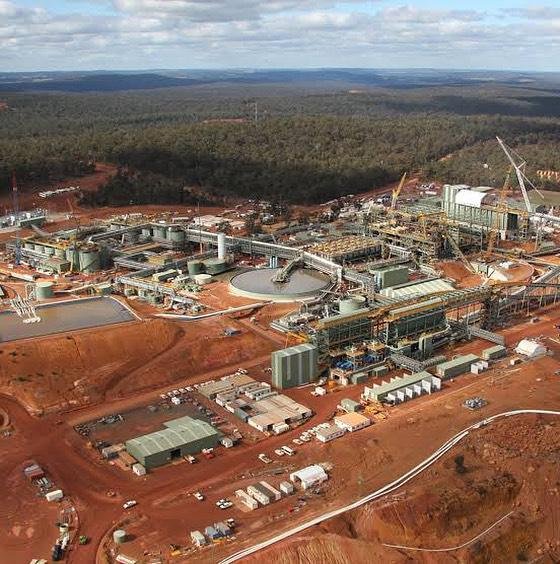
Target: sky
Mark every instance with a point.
(40, 35)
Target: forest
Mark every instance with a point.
(275, 141)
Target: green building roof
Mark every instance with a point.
(178, 432)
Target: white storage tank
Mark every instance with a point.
(44, 290)
(221, 246)
(119, 536)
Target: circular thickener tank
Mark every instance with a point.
(349, 305)
(302, 284)
(44, 290)
(215, 265)
(195, 267)
(202, 279)
(119, 536)
(176, 235)
(89, 261)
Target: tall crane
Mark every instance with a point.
(501, 208)
(15, 197)
(519, 168)
(397, 191)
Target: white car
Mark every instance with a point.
(297, 441)
(279, 452)
(198, 496)
(130, 503)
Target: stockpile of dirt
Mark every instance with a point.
(80, 367)
(508, 470)
(203, 347)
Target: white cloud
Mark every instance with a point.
(282, 33)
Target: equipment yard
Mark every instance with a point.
(194, 389)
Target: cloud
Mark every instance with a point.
(281, 33)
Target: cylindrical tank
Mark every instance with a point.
(119, 536)
(60, 252)
(195, 267)
(89, 261)
(349, 305)
(176, 235)
(215, 265)
(202, 279)
(222, 246)
(44, 290)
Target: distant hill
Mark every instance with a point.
(147, 80)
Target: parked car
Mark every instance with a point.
(198, 496)
(279, 452)
(130, 503)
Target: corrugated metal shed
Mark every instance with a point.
(380, 390)
(456, 366)
(418, 287)
(178, 433)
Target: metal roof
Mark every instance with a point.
(470, 198)
(297, 349)
(459, 361)
(398, 383)
(419, 287)
(178, 433)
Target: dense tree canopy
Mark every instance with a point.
(303, 148)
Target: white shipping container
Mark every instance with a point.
(55, 495)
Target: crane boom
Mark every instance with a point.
(397, 191)
(518, 172)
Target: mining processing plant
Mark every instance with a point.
(381, 299)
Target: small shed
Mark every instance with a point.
(286, 488)
(350, 406)
(138, 469)
(198, 539)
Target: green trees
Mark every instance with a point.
(305, 149)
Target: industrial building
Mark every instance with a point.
(494, 353)
(310, 476)
(180, 437)
(247, 500)
(455, 367)
(530, 349)
(330, 433)
(349, 405)
(352, 422)
(271, 411)
(260, 493)
(399, 390)
(294, 366)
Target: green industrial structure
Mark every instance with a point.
(180, 437)
(295, 366)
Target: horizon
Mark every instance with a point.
(280, 69)
(123, 35)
